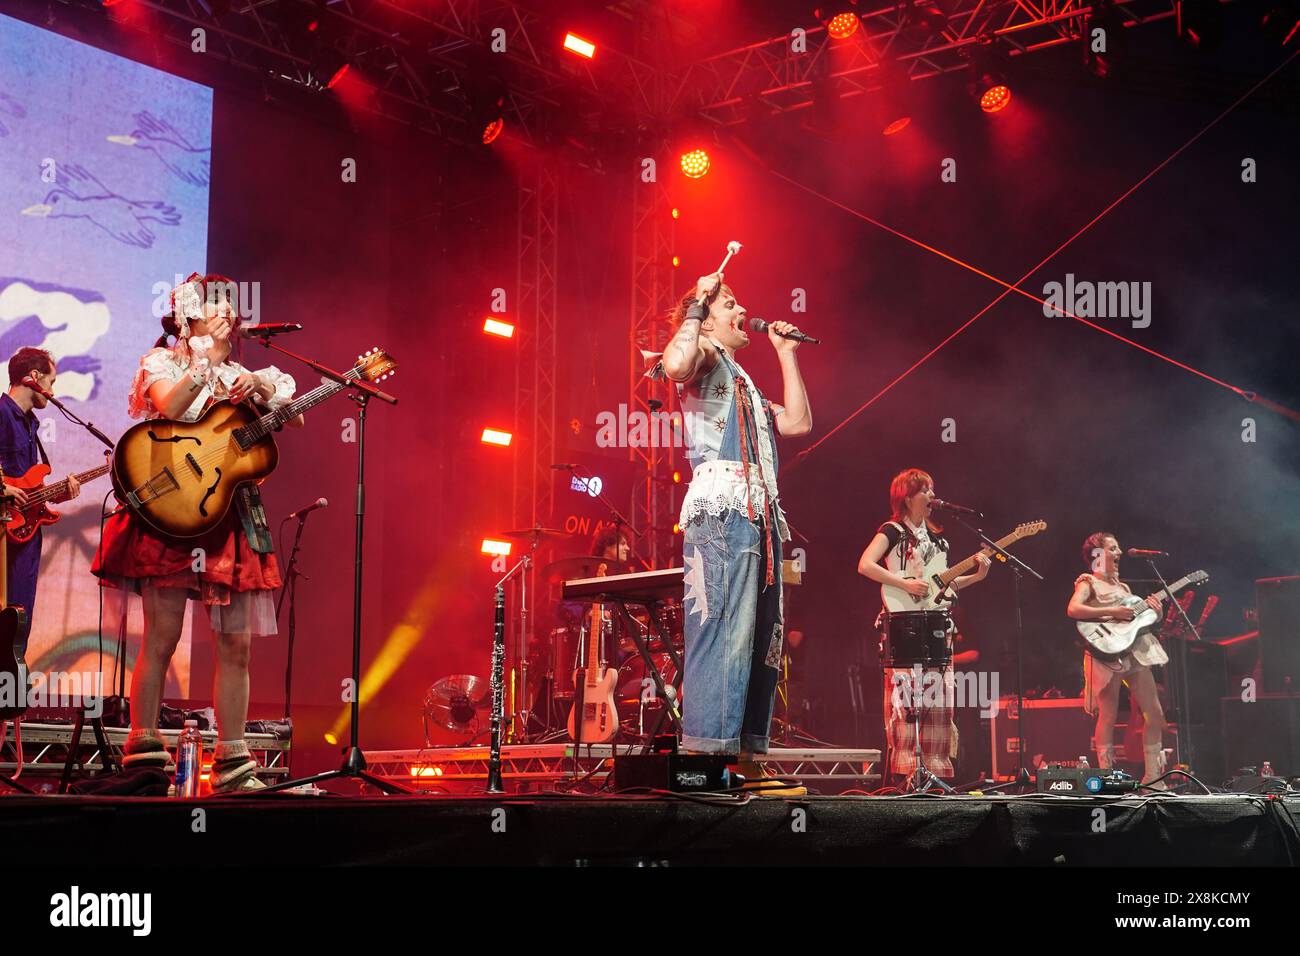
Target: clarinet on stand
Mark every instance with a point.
(498, 692)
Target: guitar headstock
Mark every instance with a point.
(1030, 528)
(1197, 577)
(376, 365)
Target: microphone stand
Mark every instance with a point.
(1186, 751)
(290, 589)
(620, 520)
(74, 417)
(1018, 568)
(354, 762)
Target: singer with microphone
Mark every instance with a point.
(732, 524)
(1097, 596)
(902, 557)
(233, 569)
(31, 376)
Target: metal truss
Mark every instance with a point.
(524, 765)
(652, 280)
(45, 748)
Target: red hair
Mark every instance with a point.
(907, 483)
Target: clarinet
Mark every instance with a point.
(498, 692)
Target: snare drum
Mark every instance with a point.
(909, 638)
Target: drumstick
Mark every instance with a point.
(733, 248)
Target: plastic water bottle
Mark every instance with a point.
(1083, 762)
(1267, 769)
(189, 760)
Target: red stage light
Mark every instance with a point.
(576, 44)
(676, 262)
(842, 26)
(491, 546)
(695, 163)
(676, 212)
(338, 75)
(677, 477)
(493, 130)
(677, 529)
(492, 436)
(995, 98)
(494, 327)
(897, 126)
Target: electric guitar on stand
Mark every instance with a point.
(594, 709)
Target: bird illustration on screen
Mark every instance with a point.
(77, 194)
(188, 163)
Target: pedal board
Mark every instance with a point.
(1083, 781)
(680, 773)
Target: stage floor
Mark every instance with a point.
(563, 830)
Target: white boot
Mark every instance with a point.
(1154, 765)
(1106, 757)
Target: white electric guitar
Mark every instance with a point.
(595, 690)
(1111, 640)
(940, 579)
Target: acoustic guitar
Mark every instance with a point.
(180, 478)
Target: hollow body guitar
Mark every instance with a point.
(1111, 640)
(180, 478)
(940, 580)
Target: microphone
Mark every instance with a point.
(270, 328)
(35, 386)
(303, 512)
(760, 326)
(1144, 553)
(564, 466)
(956, 509)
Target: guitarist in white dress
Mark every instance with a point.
(901, 557)
(1096, 598)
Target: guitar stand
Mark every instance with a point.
(74, 750)
(12, 782)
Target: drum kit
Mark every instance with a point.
(555, 651)
(910, 639)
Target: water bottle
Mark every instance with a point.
(189, 760)
(1267, 769)
(1083, 762)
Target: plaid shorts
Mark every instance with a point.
(938, 730)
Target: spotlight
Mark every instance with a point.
(328, 66)
(840, 20)
(491, 546)
(889, 107)
(494, 327)
(576, 44)
(492, 436)
(492, 130)
(695, 163)
(487, 108)
(1200, 23)
(988, 85)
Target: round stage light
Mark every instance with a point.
(695, 163)
(995, 98)
(493, 130)
(897, 126)
(842, 26)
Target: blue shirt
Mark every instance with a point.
(18, 447)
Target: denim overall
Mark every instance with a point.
(733, 624)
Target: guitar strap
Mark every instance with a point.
(252, 516)
(36, 437)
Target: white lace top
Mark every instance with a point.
(170, 364)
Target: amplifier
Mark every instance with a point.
(1278, 602)
(1056, 731)
(682, 773)
(1083, 781)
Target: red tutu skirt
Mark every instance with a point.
(133, 554)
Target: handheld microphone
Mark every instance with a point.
(1144, 553)
(270, 328)
(760, 326)
(303, 512)
(956, 509)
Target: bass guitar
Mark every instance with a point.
(940, 579)
(1111, 640)
(180, 478)
(13, 668)
(25, 520)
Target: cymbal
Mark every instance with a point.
(536, 531)
(582, 566)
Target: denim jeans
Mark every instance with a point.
(733, 635)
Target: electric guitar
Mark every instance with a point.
(940, 581)
(1111, 640)
(25, 520)
(180, 478)
(13, 668)
(594, 690)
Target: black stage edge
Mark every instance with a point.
(655, 830)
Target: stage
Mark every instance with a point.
(655, 830)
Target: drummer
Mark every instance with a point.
(902, 556)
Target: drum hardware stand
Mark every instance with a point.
(354, 762)
(922, 778)
(1186, 751)
(1023, 780)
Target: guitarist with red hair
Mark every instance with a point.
(236, 571)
